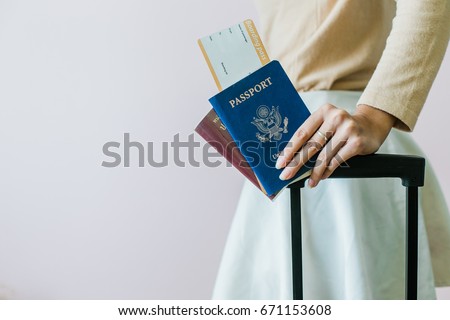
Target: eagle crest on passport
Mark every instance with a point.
(268, 123)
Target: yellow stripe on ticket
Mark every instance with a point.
(208, 62)
(257, 42)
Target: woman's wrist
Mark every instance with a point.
(379, 121)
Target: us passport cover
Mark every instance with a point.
(262, 112)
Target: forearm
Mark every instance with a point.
(410, 61)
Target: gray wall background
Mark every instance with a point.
(77, 74)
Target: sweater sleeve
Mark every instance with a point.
(410, 61)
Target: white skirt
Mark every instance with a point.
(353, 238)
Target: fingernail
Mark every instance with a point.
(311, 183)
(280, 162)
(285, 174)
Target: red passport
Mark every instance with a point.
(215, 133)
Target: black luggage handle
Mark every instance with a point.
(410, 169)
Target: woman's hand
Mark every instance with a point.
(338, 136)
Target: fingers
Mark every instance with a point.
(302, 135)
(343, 136)
(326, 156)
(334, 156)
(310, 139)
(300, 158)
(337, 130)
(329, 164)
(346, 152)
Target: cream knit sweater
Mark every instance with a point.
(390, 49)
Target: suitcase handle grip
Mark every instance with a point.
(408, 168)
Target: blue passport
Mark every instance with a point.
(262, 112)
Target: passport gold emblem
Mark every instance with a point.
(268, 123)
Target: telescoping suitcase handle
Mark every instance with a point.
(410, 169)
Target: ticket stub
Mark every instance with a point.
(233, 53)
